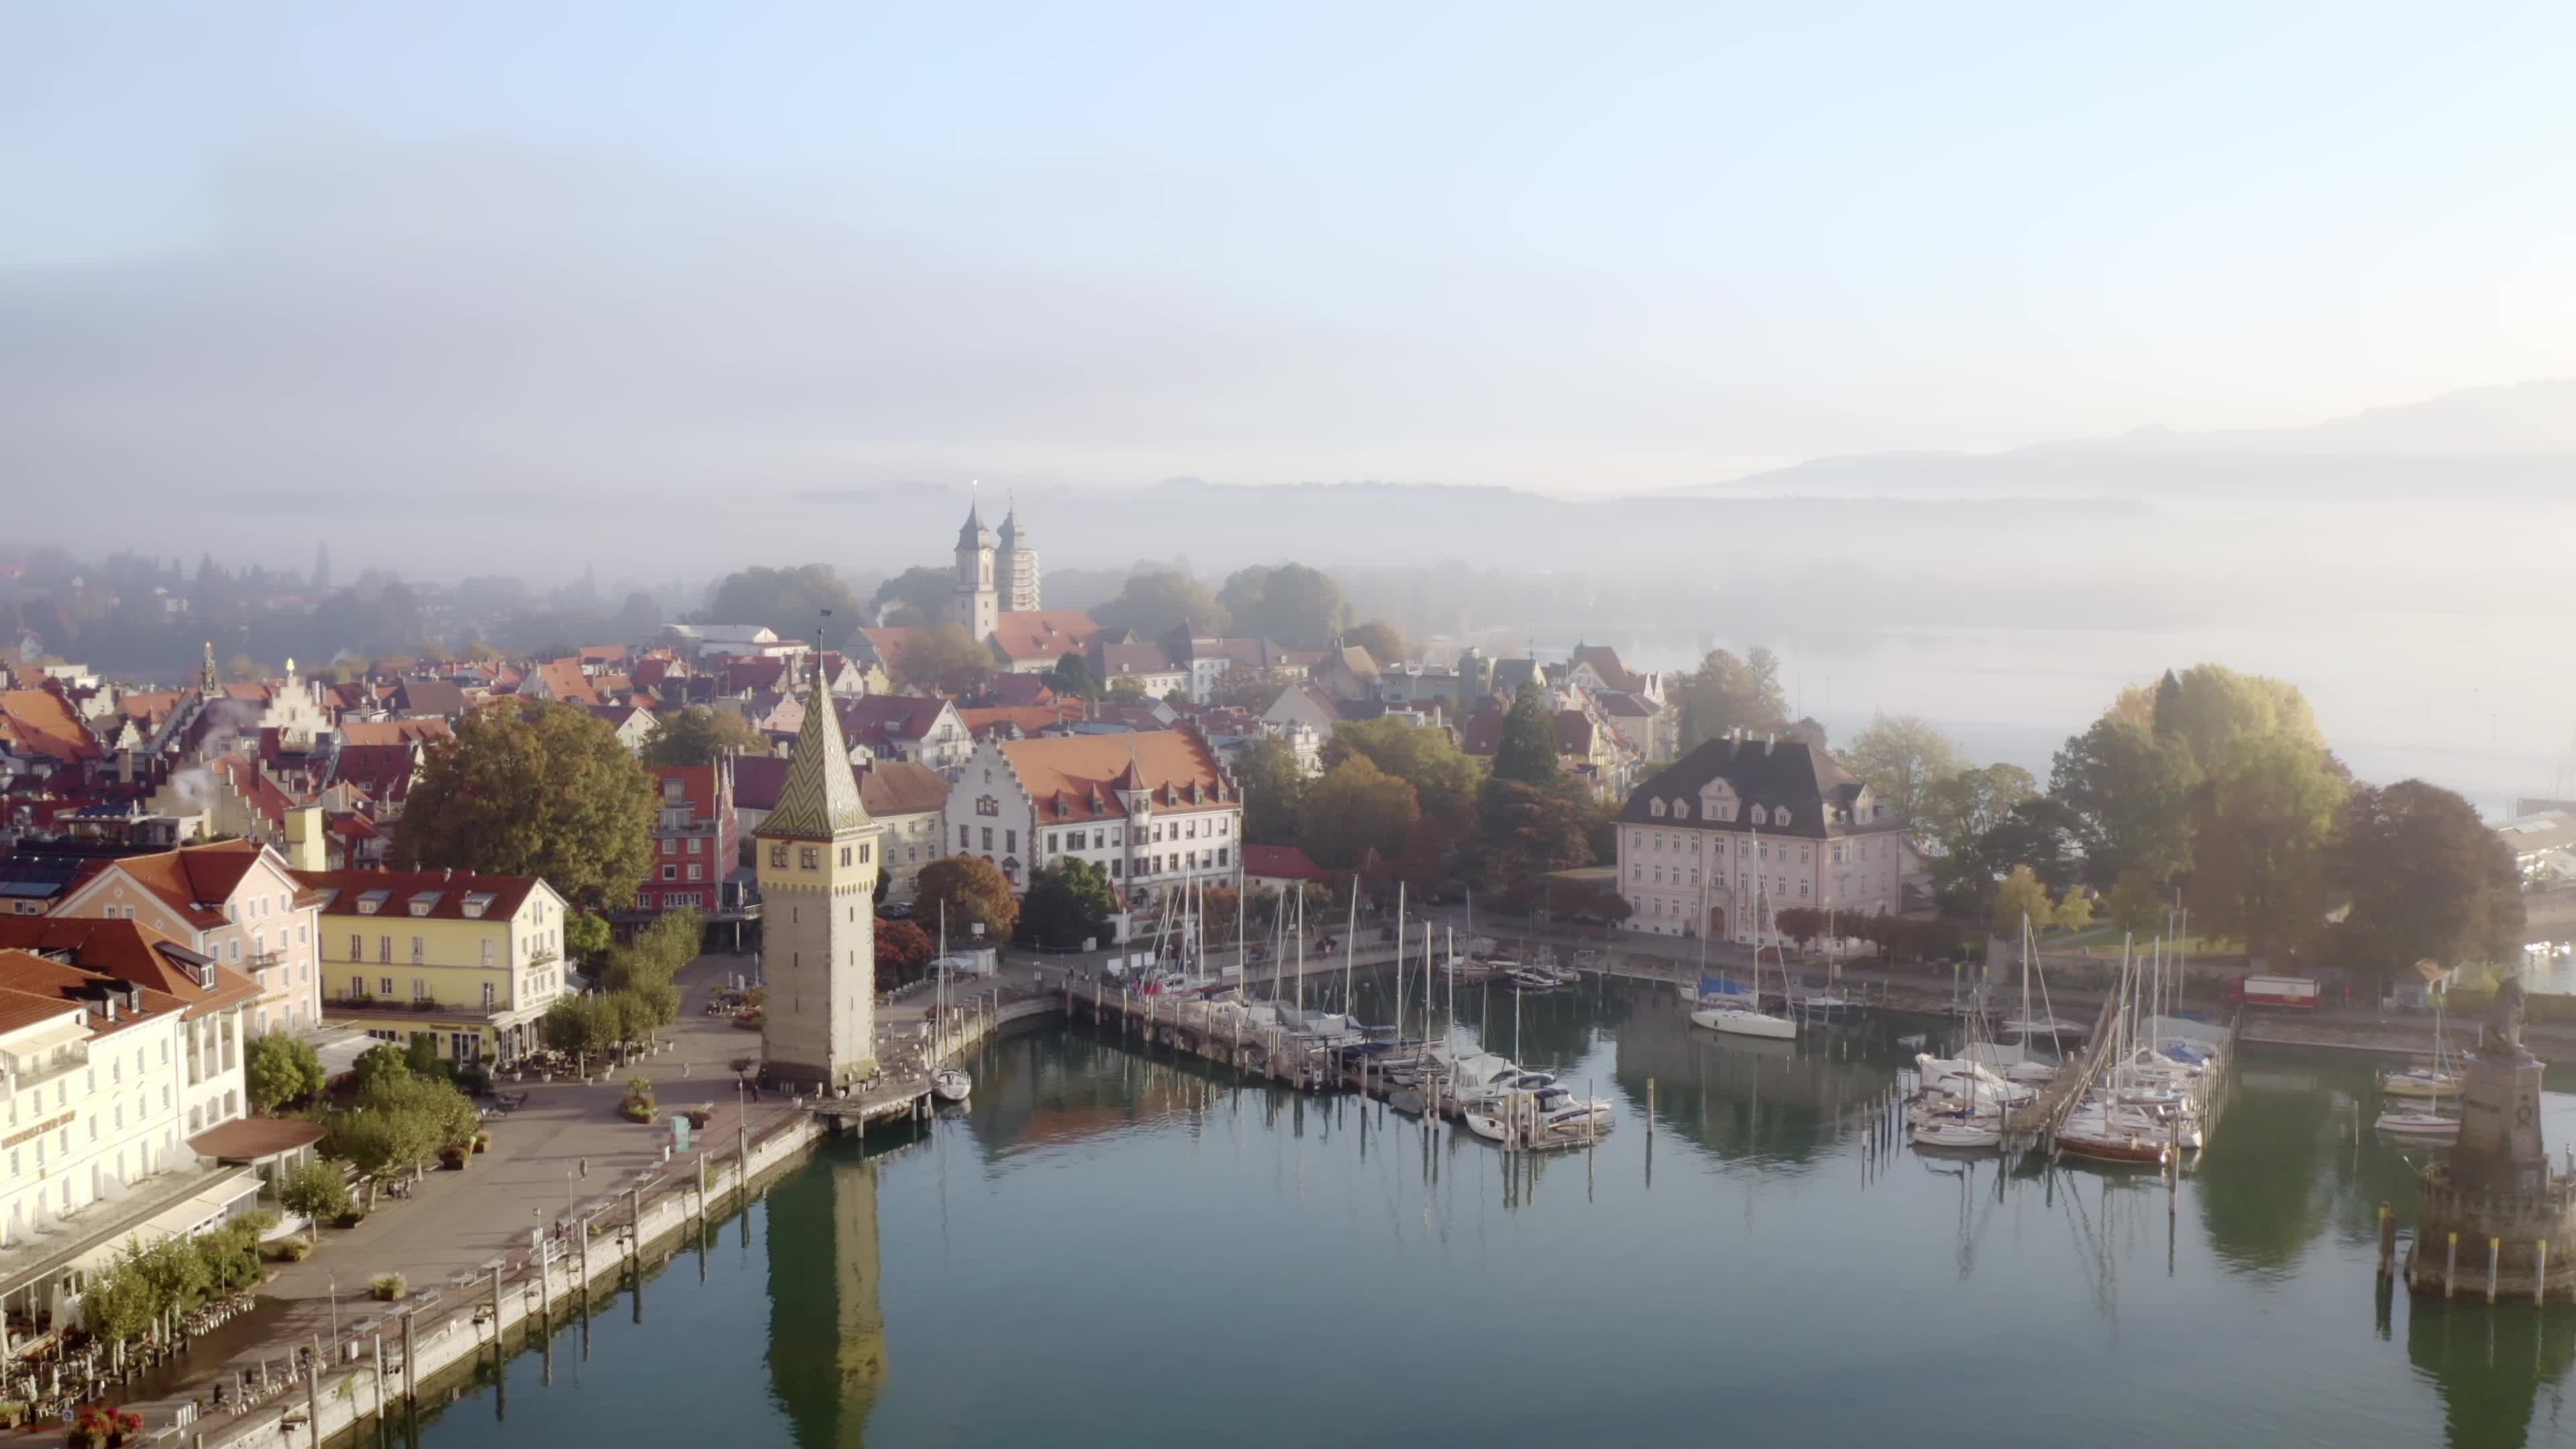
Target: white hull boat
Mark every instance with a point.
(1968, 1136)
(1737, 1021)
(951, 1084)
(2420, 1127)
(2419, 1082)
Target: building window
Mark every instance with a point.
(385, 949)
(419, 951)
(385, 987)
(988, 837)
(696, 846)
(845, 860)
(357, 947)
(487, 951)
(809, 857)
(1010, 841)
(965, 837)
(419, 989)
(695, 868)
(670, 872)
(488, 988)
(778, 857)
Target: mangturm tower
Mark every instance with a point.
(979, 600)
(818, 879)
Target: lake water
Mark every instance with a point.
(1109, 1248)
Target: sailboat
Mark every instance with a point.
(1750, 1019)
(948, 1084)
(2436, 1079)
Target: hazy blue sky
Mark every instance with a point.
(1570, 248)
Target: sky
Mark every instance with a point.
(639, 251)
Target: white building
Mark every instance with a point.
(1152, 808)
(234, 903)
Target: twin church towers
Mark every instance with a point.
(994, 576)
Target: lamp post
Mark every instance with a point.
(333, 1279)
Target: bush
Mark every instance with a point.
(388, 1286)
(473, 1081)
(638, 1105)
(291, 1250)
(279, 1069)
(350, 1219)
(316, 1189)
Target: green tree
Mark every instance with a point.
(697, 735)
(2428, 881)
(1525, 831)
(1445, 779)
(971, 891)
(2074, 910)
(1726, 693)
(2214, 710)
(789, 600)
(278, 1069)
(1073, 677)
(543, 790)
(2262, 831)
(1354, 809)
(2135, 903)
(586, 939)
(1068, 902)
(1300, 607)
(315, 1189)
(583, 1025)
(1385, 643)
(2021, 896)
(379, 1064)
(917, 597)
(1527, 751)
(1154, 601)
(2039, 834)
(1957, 809)
(1902, 757)
(944, 658)
(1274, 790)
(2132, 789)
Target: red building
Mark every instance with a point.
(697, 860)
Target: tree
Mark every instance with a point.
(790, 601)
(1068, 903)
(2039, 834)
(1726, 693)
(1073, 677)
(1527, 751)
(379, 1064)
(2074, 909)
(1902, 757)
(1956, 810)
(2428, 881)
(1300, 607)
(697, 735)
(315, 1189)
(2132, 789)
(903, 949)
(917, 597)
(586, 939)
(1354, 809)
(542, 790)
(944, 658)
(1274, 789)
(1385, 643)
(2021, 897)
(582, 1026)
(1525, 831)
(971, 891)
(278, 1069)
(1445, 779)
(2135, 904)
(1153, 602)
(2262, 831)
(2214, 710)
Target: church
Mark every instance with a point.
(996, 599)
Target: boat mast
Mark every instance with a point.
(1350, 944)
(1399, 965)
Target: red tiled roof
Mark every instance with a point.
(133, 952)
(1079, 777)
(393, 731)
(248, 1139)
(1043, 633)
(349, 888)
(1030, 719)
(38, 721)
(1280, 862)
(194, 880)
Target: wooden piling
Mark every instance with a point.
(2451, 1266)
(2540, 1271)
(2387, 1242)
(411, 1358)
(2495, 1255)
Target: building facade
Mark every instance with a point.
(1742, 828)
(696, 847)
(816, 855)
(978, 598)
(470, 960)
(1152, 808)
(236, 903)
(1019, 567)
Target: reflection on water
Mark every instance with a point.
(1118, 1246)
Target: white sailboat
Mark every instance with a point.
(1749, 1019)
(948, 1084)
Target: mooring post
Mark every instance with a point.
(1650, 1106)
(313, 1401)
(2495, 1255)
(2451, 1265)
(411, 1357)
(380, 1376)
(2540, 1271)
(2387, 1241)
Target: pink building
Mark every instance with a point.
(1741, 829)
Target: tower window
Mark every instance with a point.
(809, 858)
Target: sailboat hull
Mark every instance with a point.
(1735, 1021)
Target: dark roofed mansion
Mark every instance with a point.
(1743, 828)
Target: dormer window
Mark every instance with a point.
(477, 903)
(421, 903)
(1761, 816)
(372, 902)
(1658, 808)
(1781, 815)
(1681, 809)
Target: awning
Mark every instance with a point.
(255, 1139)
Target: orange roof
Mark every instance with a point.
(130, 951)
(393, 731)
(1078, 777)
(21, 1009)
(564, 681)
(1030, 718)
(440, 893)
(194, 880)
(26, 974)
(1043, 633)
(145, 707)
(39, 722)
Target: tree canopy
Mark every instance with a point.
(944, 658)
(1527, 751)
(278, 1069)
(1726, 693)
(1902, 757)
(1355, 808)
(2428, 881)
(971, 891)
(789, 600)
(903, 949)
(1444, 778)
(1959, 808)
(1274, 790)
(916, 598)
(696, 735)
(1385, 643)
(1068, 903)
(2261, 835)
(1154, 601)
(540, 789)
(1292, 604)
(1073, 677)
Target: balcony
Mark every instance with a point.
(262, 960)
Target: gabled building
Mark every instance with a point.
(1743, 828)
(470, 961)
(918, 729)
(1142, 665)
(908, 802)
(235, 903)
(1154, 809)
(696, 844)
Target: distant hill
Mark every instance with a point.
(2479, 442)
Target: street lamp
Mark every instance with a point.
(334, 1280)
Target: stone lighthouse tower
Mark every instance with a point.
(817, 864)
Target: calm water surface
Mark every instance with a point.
(1111, 1249)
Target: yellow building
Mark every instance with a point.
(470, 960)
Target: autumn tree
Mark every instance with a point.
(1958, 808)
(1527, 751)
(1153, 601)
(2132, 789)
(1069, 902)
(1726, 693)
(1444, 778)
(697, 735)
(2262, 831)
(1525, 831)
(903, 949)
(2427, 880)
(536, 789)
(1292, 604)
(944, 658)
(1385, 643)
(1354, 809)
(1274, 792)
(2135, 904)
(966, 891)
(2038, 834)
(2021, 897)
(1902, 757)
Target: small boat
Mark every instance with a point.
(1967, 1136)
(2423, 1127)
(951, 1084)
(1740, 1021)
(2419, 1082)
